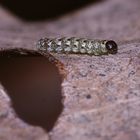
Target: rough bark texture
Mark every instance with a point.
(102, 94)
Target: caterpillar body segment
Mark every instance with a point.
(75, 45)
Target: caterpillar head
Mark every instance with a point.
(111, 47)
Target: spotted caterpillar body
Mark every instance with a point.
(75, 45)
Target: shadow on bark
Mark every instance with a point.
(32, 10)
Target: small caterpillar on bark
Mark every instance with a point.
(75, 45)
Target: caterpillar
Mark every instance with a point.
(75, 45)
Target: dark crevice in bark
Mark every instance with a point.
(34, 86)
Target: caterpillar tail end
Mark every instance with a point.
(41, 45)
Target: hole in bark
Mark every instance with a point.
(88, 96)
(34, 85)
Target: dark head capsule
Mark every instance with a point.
(111, 47)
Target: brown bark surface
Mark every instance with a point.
(101, 94)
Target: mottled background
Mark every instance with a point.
(99, 97)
